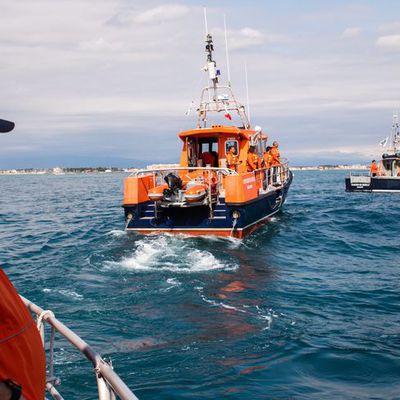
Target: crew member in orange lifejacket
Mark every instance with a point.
(232, 160)
(267, 160)
(276, 155)
(22, 358)
(275, 164)
(253, 161)
(267, 157)
(374, 168)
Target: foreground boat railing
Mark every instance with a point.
(109, 384)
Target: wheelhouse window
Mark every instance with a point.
(387, 167)
(191, 152)
(208, 151)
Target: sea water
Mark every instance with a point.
(307, 307)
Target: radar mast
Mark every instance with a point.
(215, 97)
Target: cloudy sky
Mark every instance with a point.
(108, 82)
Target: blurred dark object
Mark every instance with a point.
(6, 126)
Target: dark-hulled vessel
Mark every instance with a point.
(203, 196)
(387, 178)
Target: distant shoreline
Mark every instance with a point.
(105, 170)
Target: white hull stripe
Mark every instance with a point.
(201, 229)
(384, 190)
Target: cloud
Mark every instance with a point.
(350, 33)
(389, 42)
(101, 44)
(247, 37)
(390, 27)
(161, 13)
(129, 67)
(251, 33)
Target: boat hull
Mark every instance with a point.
(373, 184)
(147, 219)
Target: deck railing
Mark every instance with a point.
(360, 173)
(276, 175)
(148, 171)
(266, 177)
(109, 384)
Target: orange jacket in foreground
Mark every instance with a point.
(22, 357)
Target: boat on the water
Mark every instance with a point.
(208, 194)
(387, 175)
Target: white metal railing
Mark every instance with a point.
(359, 173)
(276, 175)
(109, 384)
(273, 176)
(147, 171)
(217, 103)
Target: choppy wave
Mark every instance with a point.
(64, 292)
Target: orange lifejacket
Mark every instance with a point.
(267, 159)
(22, 358)
(374, 169)
(276, 156)
(231, 160)
(253, 162)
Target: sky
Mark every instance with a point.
(108, 82)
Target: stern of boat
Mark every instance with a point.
(203, 201)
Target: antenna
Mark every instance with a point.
(395, 134)
(205, 20)
(247, 91)
(228, 70)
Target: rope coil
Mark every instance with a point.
(43, 314)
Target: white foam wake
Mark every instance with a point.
(117, 233)
(166, 253)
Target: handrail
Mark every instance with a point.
(109, 383)
(225, 171)
(284, 165)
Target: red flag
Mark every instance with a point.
(228, 116)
